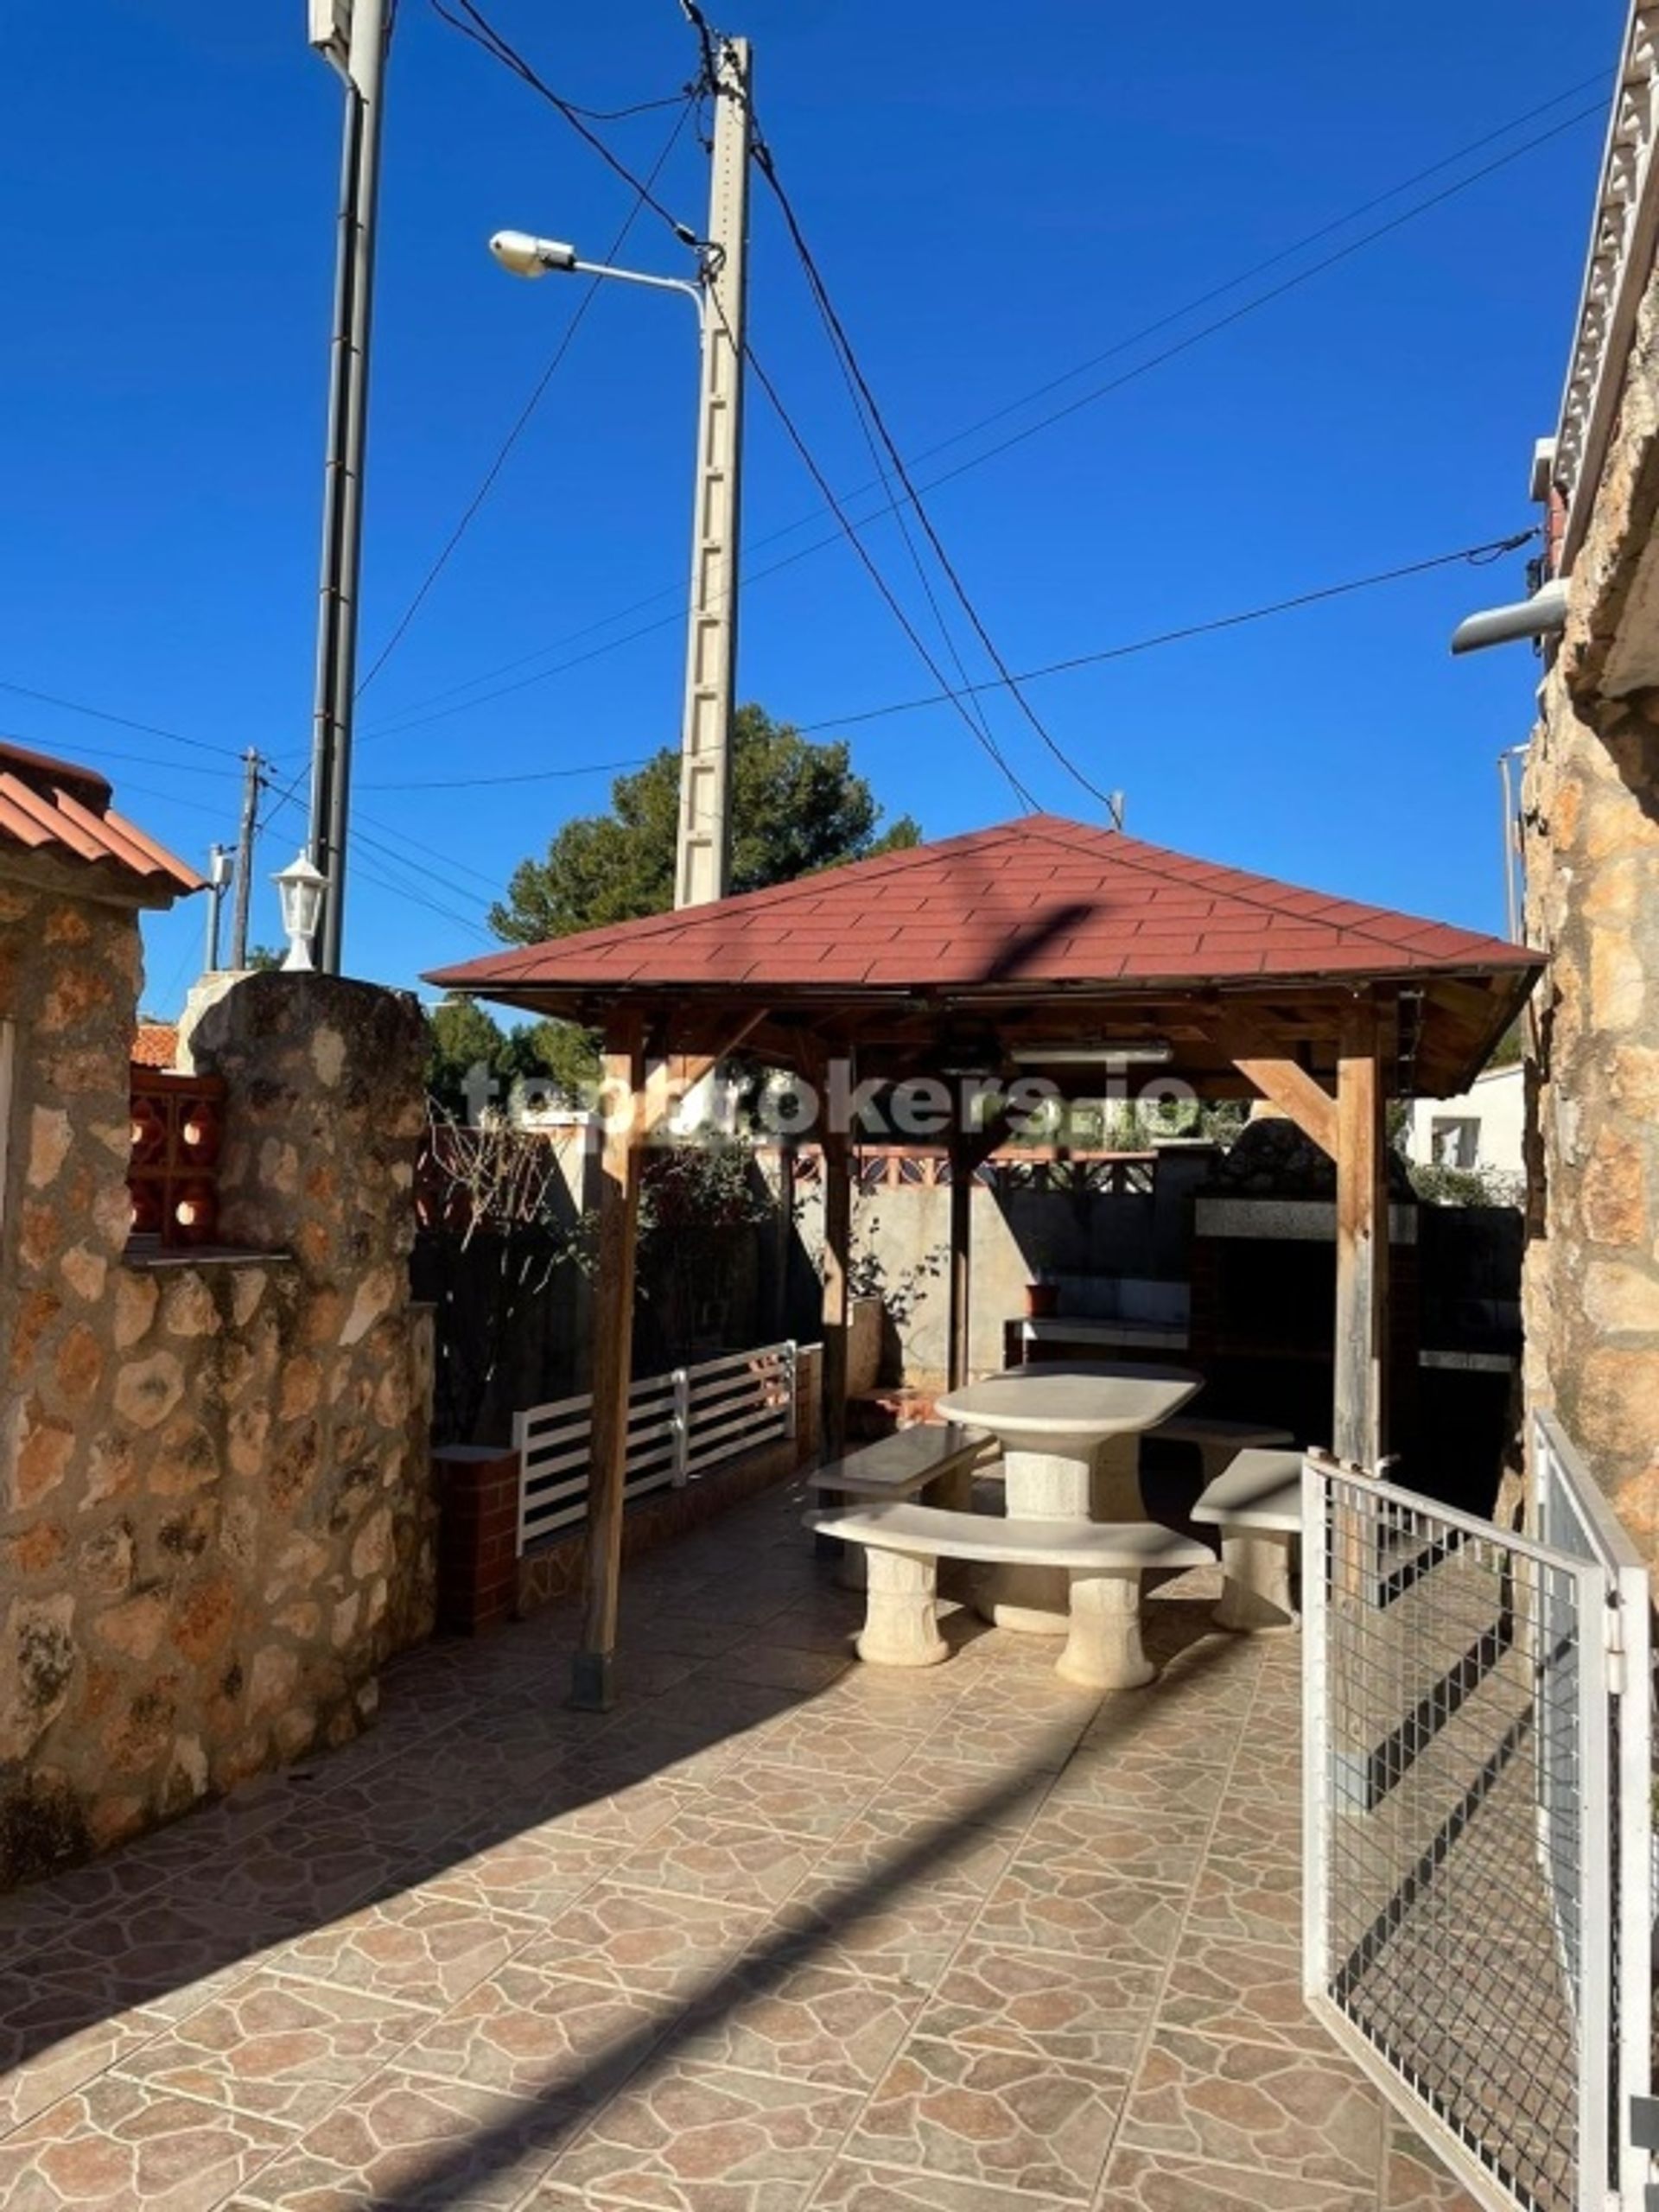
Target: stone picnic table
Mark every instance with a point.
(1070, 1434)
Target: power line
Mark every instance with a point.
(843, 346)
(96, 754)
(487, 485)
(483, 33)
(1491, 550)
(1476, 556)
(412, 717)
(121, 721)
(981, 737)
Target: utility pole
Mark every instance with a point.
(702, 864)
(219, 877)
(244, 858)
(352, 33)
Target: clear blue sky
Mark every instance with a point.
(994, 195)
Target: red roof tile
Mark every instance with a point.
(53, 807)
(157, 1044)
(1036, 899)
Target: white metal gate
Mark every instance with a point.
(1478, 1892)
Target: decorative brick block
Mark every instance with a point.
(477, 1535)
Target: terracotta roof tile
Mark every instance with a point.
(157, 1044)
(51, 806)
(1034, 899)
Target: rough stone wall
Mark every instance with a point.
(215, 1510)
(1592, 797)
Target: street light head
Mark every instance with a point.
(521, 255)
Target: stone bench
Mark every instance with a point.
(1218, 1442)
(1256, 1502)
(1105, 1560)
(934, 1461)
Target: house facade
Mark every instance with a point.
(1592, 844)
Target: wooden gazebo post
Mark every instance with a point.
(591, 1686)
(961, 1258)
(837, 1155)
(1351, 1127)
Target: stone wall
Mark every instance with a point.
(1591, 798)
(215, 1510)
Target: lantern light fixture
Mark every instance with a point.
(301, 886)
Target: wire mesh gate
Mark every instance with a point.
(1477, 1854)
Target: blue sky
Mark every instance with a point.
(994, 196)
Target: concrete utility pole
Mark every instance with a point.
(245, 857)
(703, 858)
(352, 33)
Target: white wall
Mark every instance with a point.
(1496, 1102)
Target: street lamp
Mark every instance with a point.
(522, 255)
(300, 887)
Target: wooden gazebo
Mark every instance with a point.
(1041, 942)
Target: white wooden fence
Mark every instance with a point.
(680, 1424)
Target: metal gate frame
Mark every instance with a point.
(1605, 1924)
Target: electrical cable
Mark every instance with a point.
(826, 492)
(413, 716)
(843, 346)
(483, 33)
(1473, 556)
(494, 471)
(121, 721)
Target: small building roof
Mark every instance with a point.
(156, 1044)
(1041, 931)
(62, 812)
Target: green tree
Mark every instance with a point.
(797, 807)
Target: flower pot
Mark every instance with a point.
(1042, 1299)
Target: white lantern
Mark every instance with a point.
(300, 887)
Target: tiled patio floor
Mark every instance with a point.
(780, 1932)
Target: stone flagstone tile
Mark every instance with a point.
(1250, 1887)
(1010, 1739)
(1414, 2179)
(1094, 1915)
(991, 2115)
(700, 1856)
(278, 2050)
(1129, 1781)
(1179, 1734)
(811, 2023)
(1147, 1845)
(795, 1800)
(531, 1877)
(420, 2145)
(653, 1943)
(1306, 2114)
(1139, 2181)
(1249, 1992)
(65, 2048)
(705, 2138)
(156, 1954)
(948, 1795)
(907, 1936)
(1084, 2013)
(421, 1950)
(588, 1806)
(885, 1849)
(299, 1874)
(851, 2186)
(695, 1637)
(529, 2033)
(120, 2147)
(779, 1666)
(812, 1739)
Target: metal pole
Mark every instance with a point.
(1511, 894)
(217, 878)
(342, 516)
(703, 858)
(244, 858)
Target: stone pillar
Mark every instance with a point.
(477, 1536)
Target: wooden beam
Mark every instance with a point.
(671, 1078)
(838, 1302)
(1357, 1432)
(961, 1257)
(1297, 1094)
(592, 1684)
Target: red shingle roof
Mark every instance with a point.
(50, 806)
(157, 1044)
(1040, 900)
